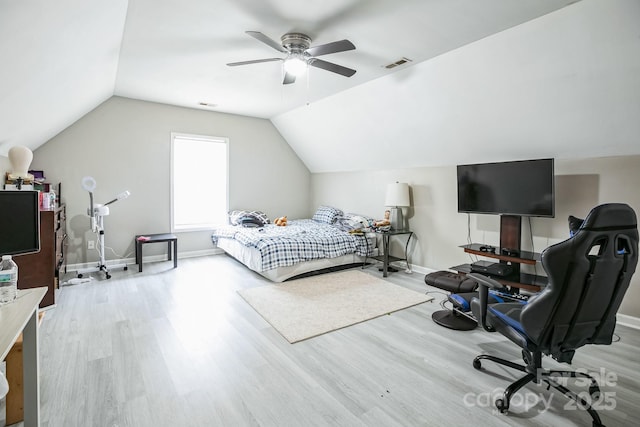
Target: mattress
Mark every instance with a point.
(304, 245)
(250, 257)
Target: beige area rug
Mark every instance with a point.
(305, 308)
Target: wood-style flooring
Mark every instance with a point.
(180, 347)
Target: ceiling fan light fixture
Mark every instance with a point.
(295, 64)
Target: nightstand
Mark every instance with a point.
(386, 258)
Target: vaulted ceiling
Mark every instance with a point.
(61, 59)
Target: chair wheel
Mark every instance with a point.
(125, 268)
(502, 407)
(108, 276)
(79, 276)
(477, 364)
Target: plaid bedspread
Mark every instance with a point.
(301, 240)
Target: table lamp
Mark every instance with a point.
(397, 198)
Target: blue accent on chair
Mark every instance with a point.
(508, 320)
(462, 303)
(497, 297)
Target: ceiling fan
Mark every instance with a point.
(300, 54)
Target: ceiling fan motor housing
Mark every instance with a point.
(296, 42)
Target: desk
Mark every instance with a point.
(157, 238)
(22, 316)
(517, 279)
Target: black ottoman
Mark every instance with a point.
(454, 283)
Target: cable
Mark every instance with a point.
(533, 248)
(117, 254)
(469, 237)
(437, 292)
(442, 302)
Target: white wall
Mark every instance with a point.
(5, 166)
(440, 229)
(125, 145)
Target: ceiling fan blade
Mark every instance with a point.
(333, 47)
(266, 40)
(288, 79)
(255, 61)
(330, 66)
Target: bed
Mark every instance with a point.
(330, 239)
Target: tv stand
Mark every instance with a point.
(510, 232)
(508, 252)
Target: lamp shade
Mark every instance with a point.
(397, 195)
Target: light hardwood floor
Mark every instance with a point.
(180, 347)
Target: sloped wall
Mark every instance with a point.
(564, 85)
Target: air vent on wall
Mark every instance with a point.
(397, 63)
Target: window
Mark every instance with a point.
(199, 182)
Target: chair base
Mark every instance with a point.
(454, 320)
(535, 373)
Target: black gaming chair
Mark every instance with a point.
(588, 277)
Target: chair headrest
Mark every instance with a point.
(610, 216)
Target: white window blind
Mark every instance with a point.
(199, 180)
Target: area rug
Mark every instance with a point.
(305, 308)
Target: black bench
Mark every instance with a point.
(142, 239)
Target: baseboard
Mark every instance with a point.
(630, 321)
(402, 266)
(152, 258)
(195, 254)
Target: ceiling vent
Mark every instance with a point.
(397, 63)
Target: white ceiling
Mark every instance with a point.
(61, 59)
(176, 52)
(472, 61)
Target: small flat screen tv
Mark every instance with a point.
(524, 188)
(19, 222)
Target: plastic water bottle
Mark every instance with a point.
(8, 279)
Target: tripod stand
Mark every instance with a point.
(97, 213)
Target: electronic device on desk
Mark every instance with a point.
(493, 268)
(510, 295)
(510, 252)
(487, 248)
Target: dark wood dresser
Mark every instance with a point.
(43, 268)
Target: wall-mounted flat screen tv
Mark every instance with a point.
(524, 188)
(19, 222)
